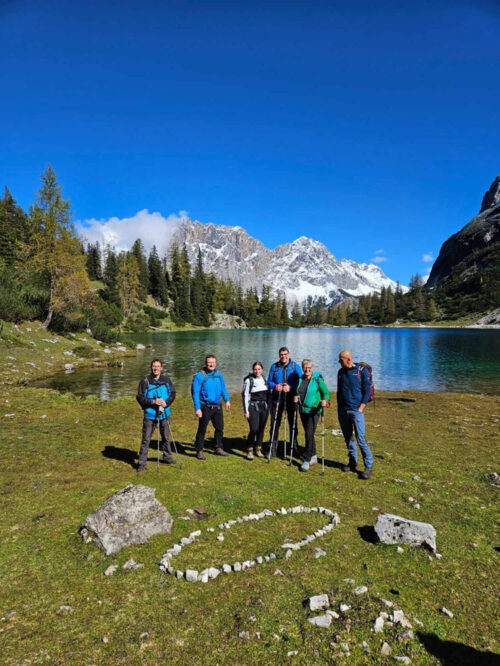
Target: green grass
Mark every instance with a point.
(63, 456)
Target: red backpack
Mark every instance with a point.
(362, 365)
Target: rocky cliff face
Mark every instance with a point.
(478, 239)
(300, 269)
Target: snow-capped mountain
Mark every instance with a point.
(300, 269)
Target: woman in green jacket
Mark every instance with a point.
(312, 396)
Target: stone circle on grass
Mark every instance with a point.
(287, 549)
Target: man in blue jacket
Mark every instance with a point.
(283, 378)
(353, 394)
(155, 395)
(208, 388)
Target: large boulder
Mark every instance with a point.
(394, 529)
(130, 516)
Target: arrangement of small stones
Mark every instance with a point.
(210, 573)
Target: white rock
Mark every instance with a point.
(213, 572)
(319, 553)
(361, 589)
(191, 575)
(319, 602)
(111, 570)
(333, 614)
(292, 653)
(351, 581)
(397, 616)
(278, 572)
(179, 574)
(226, 568)
(386, 649)
(344, 608)
(400, 550)
(64, 609)
(288, 554)
(389, 604)
(321, 620)
(379, 625)
(220, 537)
(403, 660)
(203, 576)
(237, 566)
(259, 559)
(140, 346)
(244, 634)
(446, 611)
(105, 639)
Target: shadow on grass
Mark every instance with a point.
(368, 534)
(451, 653)
(123, 455)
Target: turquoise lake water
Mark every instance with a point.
(460, 360)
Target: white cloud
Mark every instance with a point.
(151, 228)
(379, 252)
(427, 257)
(378, 259)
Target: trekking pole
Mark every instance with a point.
(173, 442)
(294, 432)
(285, 413)
(158, 449)
(322, 443)
(273, 429)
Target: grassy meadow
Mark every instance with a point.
(62, 456)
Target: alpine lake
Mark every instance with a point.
(422, 359)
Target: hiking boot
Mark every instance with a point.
(220, 452)
(366, 473)
(250, 454)
(169, 461)
(314, 460)
(351, 466)
(305, 466)
(200, 455)
(258, 452)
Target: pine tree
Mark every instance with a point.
(431, 310)
(94, 266)
(128, 282)
(110, 277)
(199, 304)
(157, 280)
(54, 249)
(13, 228)
(137, 250)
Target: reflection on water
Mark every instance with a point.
(422, 359)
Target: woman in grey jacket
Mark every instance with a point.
(255, 396)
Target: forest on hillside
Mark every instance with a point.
(48, 274)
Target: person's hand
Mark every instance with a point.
(228, 405)
(198, 413)
(161, 402)
(324, 403)
(247, 415)
(296, 398)
(361, 408)
(278, 387)
(286, 388)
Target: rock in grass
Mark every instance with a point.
(226, 568)
(321, 621)
(191, 575)
(130, 516)
(62, 610)
(132, 564)
(403, 660)
(379, 625)
(320, 553)
(213, 572)
(344, 608)
(386, 649)
(319, 602)
(446, 612)
(245, 635)
(111, 570)
(393, 529)
(361, 589)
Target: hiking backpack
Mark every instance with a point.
(362, 365)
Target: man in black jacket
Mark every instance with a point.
(155, 395)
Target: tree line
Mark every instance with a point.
(47, 273)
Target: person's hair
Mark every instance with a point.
(210, 356)
(156, 360)
(282, 349)
(308, 361)
(257, 363)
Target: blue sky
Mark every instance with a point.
(368, 126)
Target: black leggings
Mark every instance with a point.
(214, 414)
(259, 411)
(310, 423)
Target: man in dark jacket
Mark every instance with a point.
(282, 380)
(155, 395)
(208, 388)
(353, 394)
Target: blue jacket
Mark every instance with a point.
(208, 388)
(150, 389)
(278, 374)
(353, 387)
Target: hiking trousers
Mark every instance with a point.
(290, 409)
(210, 414)
(259, 411)
(352, 423)
(148, 428)
(310, 423)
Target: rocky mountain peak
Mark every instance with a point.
(492, 196)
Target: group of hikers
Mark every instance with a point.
(289, 389)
